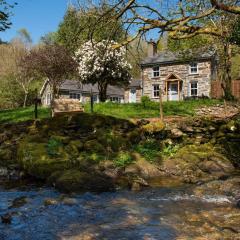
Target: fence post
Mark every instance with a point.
(36, 105)
(91, 101)
(160, 104)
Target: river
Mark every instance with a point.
(162, 212)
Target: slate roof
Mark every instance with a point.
(135, 83)
(168, 57)
(71, 85)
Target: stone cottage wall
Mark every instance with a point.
(138, 95)
(182, 70)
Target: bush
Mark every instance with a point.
(145, 100)
(123, 159)
(150, 149)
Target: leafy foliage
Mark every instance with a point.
(99, 63)
(53, 62)
(5, 15)
(53, 147)
(82, 25)
(150, 149)
(123, 159)
(146, 101)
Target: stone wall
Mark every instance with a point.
(203, 77)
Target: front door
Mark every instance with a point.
(132, 96)
(173, 91)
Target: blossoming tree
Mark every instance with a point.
(99, 63)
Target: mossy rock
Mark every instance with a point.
(94, 146)
(6, 156)
(153, 127)
(35, 160)
(76, 181)
(198, 162)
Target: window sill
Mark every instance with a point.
(194, 73)
(155, 77)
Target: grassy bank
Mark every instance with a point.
(126, 111)
(137, 110)
(22, 114)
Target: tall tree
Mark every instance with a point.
(82, 24)
(99, 63)
(52, 62)
(5, 14)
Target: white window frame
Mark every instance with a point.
(115, 99)
(156, 70)
(193, 88)
(76, 94)
(195, 67)
(155, 90)
(48, 99)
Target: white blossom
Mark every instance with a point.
(99, 61)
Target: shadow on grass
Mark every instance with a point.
(22, 114)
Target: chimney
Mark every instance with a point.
(152, 48)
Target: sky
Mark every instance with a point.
(37, 16)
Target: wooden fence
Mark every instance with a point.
(217, 92)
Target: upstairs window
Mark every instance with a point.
(194, 89)
(156, 90)
(155, 72)
(193, 68)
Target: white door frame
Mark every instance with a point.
(133, 95)
(173, 93)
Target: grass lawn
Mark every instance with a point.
(136, 110)
(130, 110)
(22, 114)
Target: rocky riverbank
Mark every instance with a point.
(99, 153)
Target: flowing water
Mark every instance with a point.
(162, 212)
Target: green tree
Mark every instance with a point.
(49, 38)
(81, 25)
(5, 14)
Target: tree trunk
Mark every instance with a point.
(25, 99)
(227, 78)
(102, 87)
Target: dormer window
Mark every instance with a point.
(193, 68)
(155, 72)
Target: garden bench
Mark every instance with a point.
(66, 106)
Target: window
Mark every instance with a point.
(49, 98)
(193, 88)
(75, 96)
(115, 99)
(155, 72)
(193, 68)
(156, 90)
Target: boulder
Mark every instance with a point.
(50, 201)
(143, 168)
(176, 133)
(77, 181)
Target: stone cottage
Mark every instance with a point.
(177, 75)
(133, 92)
(71, 89)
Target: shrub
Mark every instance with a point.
(53, 146)
(145, 100)
(150, 149)
(123, 159)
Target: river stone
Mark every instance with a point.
(69, 201)
(145, 168)
(176, 133)
(19, 202)
(50, 201)
(6, 218)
